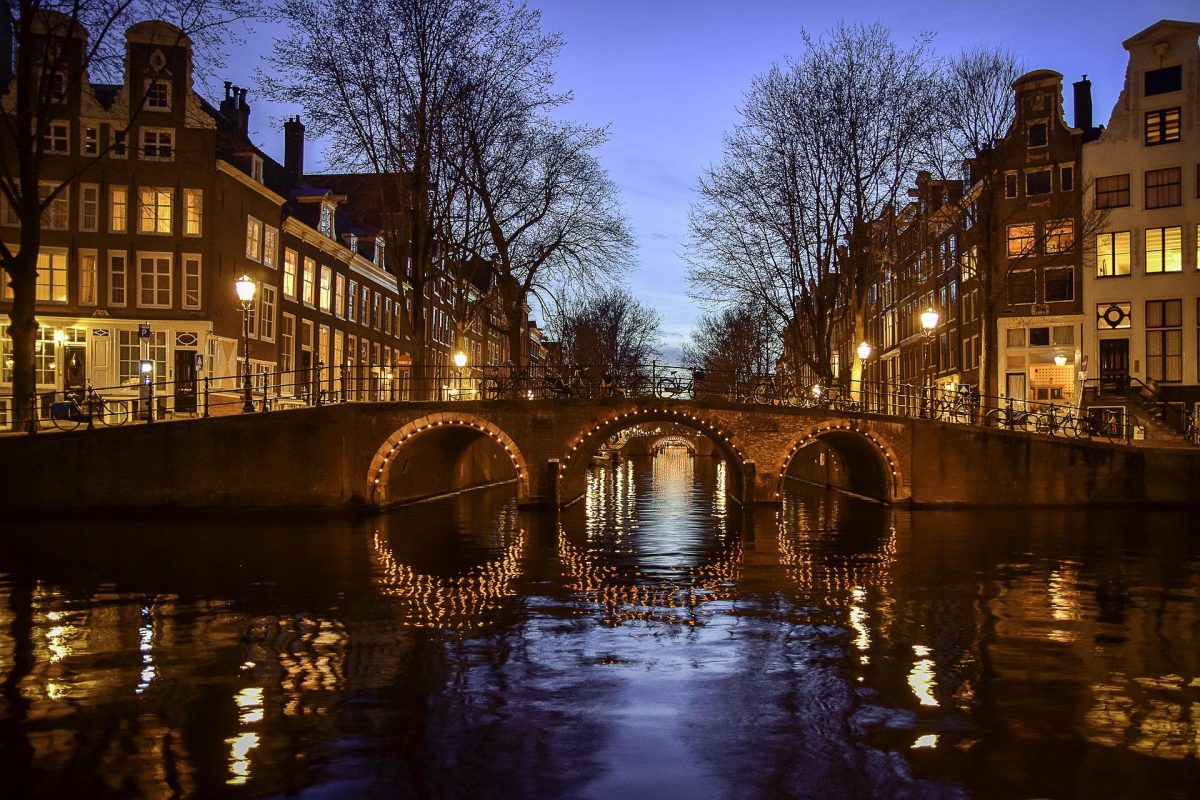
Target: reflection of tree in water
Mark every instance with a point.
(625, 592)
(467, 600)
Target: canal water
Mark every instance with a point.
(653, 641)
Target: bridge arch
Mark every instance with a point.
(672, 440)
(872, 466)
(443, 443)
(572, 473)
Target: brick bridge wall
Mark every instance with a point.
(375, 454)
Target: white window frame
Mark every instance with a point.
(82, 255)
(254, 231)
(266, 312)
(60, 207)
(113, 282)
(270, 246)
(158, 133)
(352, 302)
(58, 132)
(156, 289)
(339, 296)
(193, 212)
(113, 217)
(89, 145)
(308, 279)
(84, 190)
(325, 289)
(46, 276)
(192, 274)
(291, 270)
(157, 218)
(146, 86)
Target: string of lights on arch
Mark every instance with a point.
(849, 427)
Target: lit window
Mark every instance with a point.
(154, 280)
(193, 212)
(327, 220)
(352, 302)
(270, 246)
(158, 144)
(326, 296)
(1020, 240)
(266, 313)
(1164, 249)
(88, 277)
(1112, 254)
(1060, 235)
(1112, 316)
(158, 95)
(118, 201)
(192, 282)
(1162, 127)
(339, 295)
(254, 229)
(307, 288)
(154, 210)
(289, 274)
(52, 276)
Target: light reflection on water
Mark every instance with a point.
(652, 640)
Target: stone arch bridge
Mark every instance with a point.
(374, 455)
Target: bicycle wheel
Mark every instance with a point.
(762, 393)
(490, 389)
(996, 418)
(112, 413)
(1044, 424)
(65, 422)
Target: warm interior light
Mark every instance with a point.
(864, 351)
(1060, 360)
(929, 319)
(460, 359)
(245, 288)
(60, 336)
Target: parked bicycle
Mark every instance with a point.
(1011, 418)
(775, 390)
(674, 385)
(68, 414)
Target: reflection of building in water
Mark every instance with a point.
(454, 602)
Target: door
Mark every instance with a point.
(75, 370)
(1014, 387)
(1114, 365)
(185, 381)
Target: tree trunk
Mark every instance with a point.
(856, 363)
(422, 374)
(514, 314)
(22, 330)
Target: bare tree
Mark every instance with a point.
(732, 346)
(825, 144)
(608, 331)
(61, 47)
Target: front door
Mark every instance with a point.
(1014, 386)
(185, 381)
(1114, 365)
(75, 370)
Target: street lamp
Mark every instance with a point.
(929, 323)
(460, 361)
(929, 320)
(245, 291)
(864, 351)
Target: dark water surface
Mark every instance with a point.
(652, 642)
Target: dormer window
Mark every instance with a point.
(158, 95)
(256, 168)
(353, 243)
(379, 252)
(326, 226)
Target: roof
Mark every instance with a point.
(1162, 29)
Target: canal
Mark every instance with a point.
(651, 641)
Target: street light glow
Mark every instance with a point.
(929, 319)
(245, 288)
(1060, 360)
(460, 359)
(864, 351)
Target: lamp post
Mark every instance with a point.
(245, 292)
(863, 352)
(460, 361)
(929, 323)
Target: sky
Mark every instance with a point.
(667, 77)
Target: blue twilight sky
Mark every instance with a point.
(668, 75)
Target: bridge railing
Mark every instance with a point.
(146, 398)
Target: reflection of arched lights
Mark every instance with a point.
(458, 602)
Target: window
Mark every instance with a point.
(289, 274)
(270, 246)
(1064, 335)
(1112, 191)
(192, 281)
(378, 259)
(89, 140)
(339, 296)
(1112, 254)
(1112, 316)
(118, 280)
(1021, 287)
(351, 303)
(1010, 185)
(1015, 337)
(158, 144)
(1164, 249)
(154, 280)
(1161, 81)
(256, 168)
(366, 306)
(310, 267)
(52, 275)
(118, 147)
(155, 210)
(326, 224)
(57, 138)
(1164, 187)
(1037, 134)
(89, 207)
(1066, 178)
(1162, 127)
(1060, 235)
(1060, 285)
(253, 239)
(1039, 337)
(57, 85)
(326, 294)
(387, 316)
(375, 316)
(57, 216)
(8, 215)
(1037, 182)
(1164, 340)
(287, 338)
(88, 277)
(1020, 240)
(129, 353)
(266, 313)
(158, 95)
(118, 208)
(193, 212)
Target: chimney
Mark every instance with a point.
(293, 150)
(1083, 104)
(243, 120)
(228, 104)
